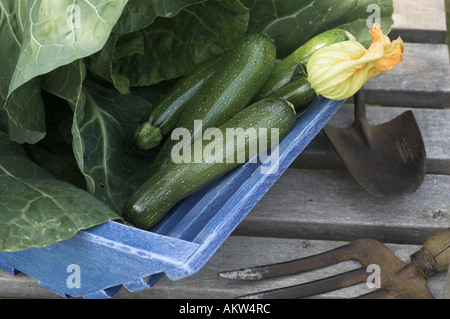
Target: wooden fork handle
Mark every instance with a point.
(434, 256)
(439, 247)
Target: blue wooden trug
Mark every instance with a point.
(110, 256)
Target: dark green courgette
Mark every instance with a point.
(299, 92)
(165, 114)
(288, 69)
(151, 201)
(241, 74)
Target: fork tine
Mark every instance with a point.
(312, 288)
(296, 266)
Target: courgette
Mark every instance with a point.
(164, 115)
(289, 68)
(299, 92)
(154, 199)
(241, 74)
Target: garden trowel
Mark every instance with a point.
(388, 159)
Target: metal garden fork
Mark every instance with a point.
(398, 279)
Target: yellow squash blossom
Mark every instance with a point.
(337, 72)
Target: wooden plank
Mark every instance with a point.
(433, 125)
(422, 79)
(331, 205)
(239, 252)
(23, 287)
(419, 21)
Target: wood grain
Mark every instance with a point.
(420, 21)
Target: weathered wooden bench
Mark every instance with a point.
(316, 205)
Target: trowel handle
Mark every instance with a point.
(360, 107)
(439, 247)
(435, 253)
(360, 115)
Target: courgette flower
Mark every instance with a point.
(338, 71)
